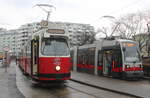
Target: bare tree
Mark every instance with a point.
(87, 37)
(134, 26)
(104, 31)
(141, 39)
(130, 25)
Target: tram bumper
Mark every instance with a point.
(133, 74)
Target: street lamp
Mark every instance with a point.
(117, 23)
(107, 16)
(112, 17)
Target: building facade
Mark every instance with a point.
(79, 34)
(8, 41)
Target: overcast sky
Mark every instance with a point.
(14, 13)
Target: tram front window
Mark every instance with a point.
(131, 52)
(55, 47)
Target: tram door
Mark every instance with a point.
(34, 57)
(107, 61)
(105, 68)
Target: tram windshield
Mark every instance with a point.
(55, 47)
(131, 52)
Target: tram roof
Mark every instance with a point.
(87, 46)
(125, 40)
(105, 42)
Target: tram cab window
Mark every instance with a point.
(55, 47)
(131, 53)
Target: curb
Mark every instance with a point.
(146, 78)
(107, 89)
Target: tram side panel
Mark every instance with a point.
(47, 68)
(85, 60)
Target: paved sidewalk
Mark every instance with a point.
(8, 88)
(138, 88)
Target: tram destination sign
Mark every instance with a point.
(126, 44)
(56, 31)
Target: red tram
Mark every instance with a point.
(114, 57)
(46, 56)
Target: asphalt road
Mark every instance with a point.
(8, 88)
(69, 89)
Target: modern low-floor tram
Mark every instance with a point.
(117, 58)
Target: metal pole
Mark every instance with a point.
(47, 11)
(112, 17)
(148, 41)
(96, 61)
(75, 59)
(5, 61)
(48, 14)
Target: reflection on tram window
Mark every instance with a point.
(55, 47)
(131, 52)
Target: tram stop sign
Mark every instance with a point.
(6, 49)
(44, 23)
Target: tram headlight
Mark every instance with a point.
(57, 68)
(127, 66)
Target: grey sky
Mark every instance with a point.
(17, 12)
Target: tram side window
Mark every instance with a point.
(78, 58)
(88, 59)
(100, 58)
(35, 54)
(91, 59)
(83, 59)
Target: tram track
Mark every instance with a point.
(82, 91)
(146, 78)
(106, 89)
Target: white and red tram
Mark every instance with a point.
(46, 56)
(109, 57)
